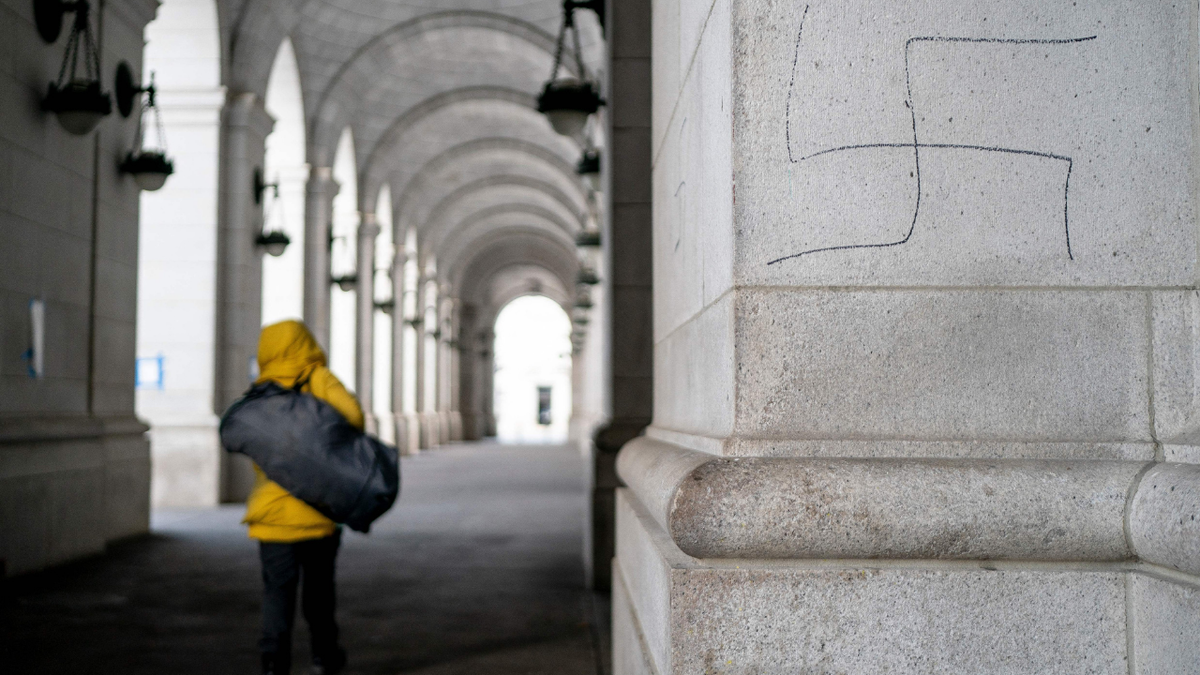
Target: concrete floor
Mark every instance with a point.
(476, 570)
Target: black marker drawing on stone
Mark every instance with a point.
(917, 145)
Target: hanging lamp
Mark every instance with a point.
(76, 101)
(587, 238)
(273, 242)
(588, 167)
(149, 168)
(346, 282)
(567, 101)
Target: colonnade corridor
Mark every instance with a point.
(477, 569)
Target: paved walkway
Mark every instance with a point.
(477, 570)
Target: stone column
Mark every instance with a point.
(245, 126)
(364, 317)
(469, 389)
(399, 326)
(454, 366)
(628, 286)
(426, 365)
(318, 215)
(925, 388)
(445, 335)
(487, 380)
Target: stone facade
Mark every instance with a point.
(74, 460)
(924, 336)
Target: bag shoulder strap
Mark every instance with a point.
(303, 380)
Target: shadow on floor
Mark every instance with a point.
(477, 570)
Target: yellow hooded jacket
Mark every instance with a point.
(288, 353)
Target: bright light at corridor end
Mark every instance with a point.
(533, 371)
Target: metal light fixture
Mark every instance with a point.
(587, 238)
(567, 101)
(274, 242)
(149, 168)
(589, 167)
(346, 282)
(76, 101)
(587, 277)
(583, 300)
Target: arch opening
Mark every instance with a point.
(285, 171)
(532, 385)
(177, 248)
(343, 254)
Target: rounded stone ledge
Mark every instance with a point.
(1164, 517)
(759, 507)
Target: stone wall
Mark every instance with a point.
(924, 342)
(74, 461)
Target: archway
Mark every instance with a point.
(532, 386)
(343, 261)
(283, 202)
(177, 253)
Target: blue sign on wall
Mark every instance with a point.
(150, 372)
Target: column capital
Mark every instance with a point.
(247, 109)
(367, 227)
(135, 13)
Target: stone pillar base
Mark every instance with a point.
(68, 486)
(456, 426)
(385, 427)
(473, 426)
(677, 614)
(431, 426)
(408, 433)
(187, 463)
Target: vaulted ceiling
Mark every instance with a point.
(440, 98)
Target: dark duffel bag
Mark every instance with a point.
(308, 447)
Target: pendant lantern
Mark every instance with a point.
(274, 242)
(149, 168)
(587, 277)
(75, 99)
(347, 282)
(568, 101)
(589, 168)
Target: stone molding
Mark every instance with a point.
(67, 427)
(35, 429)
(247, 109)
(1163, 524)
(917, 508)
(134, 13)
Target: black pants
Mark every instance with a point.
(283, 566)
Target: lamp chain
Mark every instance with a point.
(578, 52)
(82, 24)
(558, 47)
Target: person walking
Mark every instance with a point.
(297, 544)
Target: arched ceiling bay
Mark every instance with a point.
(453, 212)
(440, 97)
(478, 275)
(514, 281)
(419, 139)
(485, 156)
(484, 229)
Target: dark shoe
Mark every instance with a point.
(273, 665)
(329, 664)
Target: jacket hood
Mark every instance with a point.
(286, 350)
